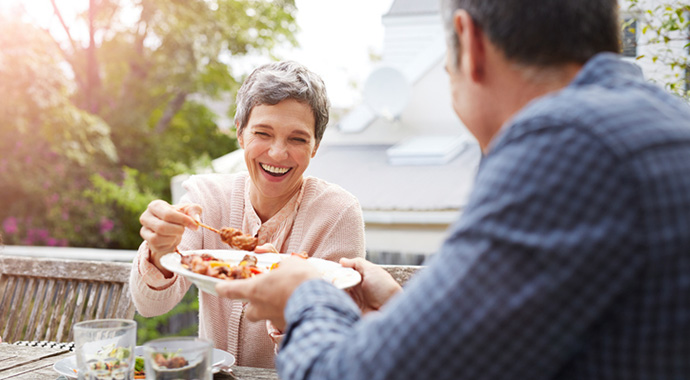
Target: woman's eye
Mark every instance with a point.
(261, 133)
(299, 140)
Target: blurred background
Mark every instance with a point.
(106, 105)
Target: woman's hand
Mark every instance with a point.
(162, 226)
(265, 248)
(377, 285)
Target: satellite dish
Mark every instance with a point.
(387, 92)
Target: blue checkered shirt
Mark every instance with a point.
(571, 260)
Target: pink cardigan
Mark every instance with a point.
(328, 225)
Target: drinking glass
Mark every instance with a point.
(179, 358)
(105, 349)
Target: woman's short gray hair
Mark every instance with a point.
(274, 82)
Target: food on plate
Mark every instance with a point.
(209, 265)
(174, 366)
(169, 360)
(139, 372)
(109, 362)
(236, 239)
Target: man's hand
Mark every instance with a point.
(268, 293)
(162, 226)
(376, 288)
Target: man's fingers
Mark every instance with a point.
(252, 313)
(358, 264)
(236, 289)
(348, 263)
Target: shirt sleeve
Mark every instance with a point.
(541, 251)
(152, 293)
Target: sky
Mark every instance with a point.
(337, 39)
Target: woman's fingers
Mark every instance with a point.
(265, 248)
(163, 225)
(192, 212)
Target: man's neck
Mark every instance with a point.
(516, 86)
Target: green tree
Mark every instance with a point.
(101, 114)
(49, 146)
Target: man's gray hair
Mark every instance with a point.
(272, 83)
(540, 32)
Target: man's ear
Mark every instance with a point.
(240, 138)
(472, 49)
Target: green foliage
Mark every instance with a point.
(124, 200)
(184, 314)
(94, 125)
(49, 146)
(665, 30)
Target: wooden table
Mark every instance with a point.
(36, 363)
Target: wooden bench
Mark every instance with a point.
(40, 299)
(401, 273)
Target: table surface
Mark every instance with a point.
(36, 363)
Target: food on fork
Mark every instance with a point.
(232, 237)
(236, 239)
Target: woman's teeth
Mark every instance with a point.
(274, 170)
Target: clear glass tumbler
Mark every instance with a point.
(105, 349)
(179, 358)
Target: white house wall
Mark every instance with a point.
(430, 109)
(405, 37)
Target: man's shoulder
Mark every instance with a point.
(627, 118)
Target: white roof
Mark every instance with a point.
(364, 171)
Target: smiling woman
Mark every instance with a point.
(278, 144)
(282, 112)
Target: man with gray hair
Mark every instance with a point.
(572, 257)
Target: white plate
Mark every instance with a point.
(68, 365)
(332, 272)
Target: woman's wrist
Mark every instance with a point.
(155, 260)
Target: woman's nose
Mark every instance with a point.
(278, 151)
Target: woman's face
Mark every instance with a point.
(278, 143)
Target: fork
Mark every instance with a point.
(198, 222)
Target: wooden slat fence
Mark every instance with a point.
(40, 298)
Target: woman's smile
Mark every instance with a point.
(275, 171)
